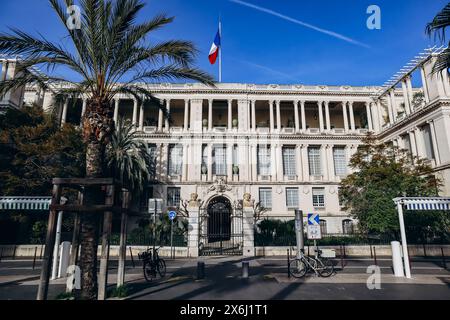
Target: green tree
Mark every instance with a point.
(437, 28)
(34, 149)
(111, 54)
(384, 172)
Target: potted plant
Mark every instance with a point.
(235, 169)
(204, 169)
(205, 123)
(235, 123)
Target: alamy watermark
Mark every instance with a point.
(374, 20)
(73, 21)
(374, 280)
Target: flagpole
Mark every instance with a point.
(220, 51)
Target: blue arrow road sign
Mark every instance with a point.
(172, 215)
(313, 219)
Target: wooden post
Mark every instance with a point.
(49, 243)
(106, 235)
(123, 240)
(76, 234)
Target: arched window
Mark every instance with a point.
(347, 226)
(323, 227)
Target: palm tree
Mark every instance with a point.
(437, 28)
(111, 54)
(128, 157)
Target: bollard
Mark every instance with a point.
(132, 259)
(34, 258)
(424, 250)
(288, 263)
(200, 270)
(14, 253)
(371, 253)
(245, 268)
(444, 263)
(397, 263)
(40, 253)
(375, 256)
(342, 258)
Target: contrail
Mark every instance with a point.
(304, 24)
(267, 69)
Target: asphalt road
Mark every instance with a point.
(267, 280)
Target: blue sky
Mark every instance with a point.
(276, 47)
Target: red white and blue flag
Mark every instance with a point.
(214, 52)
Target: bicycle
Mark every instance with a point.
(321, 266)
(152, 264)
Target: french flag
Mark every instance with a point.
(214, 52)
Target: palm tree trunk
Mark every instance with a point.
(90, 223)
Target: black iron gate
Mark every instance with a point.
(221, 228)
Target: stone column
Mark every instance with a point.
(369, 116)
(379, 115)
(305, 163)
(210, 161)
(303, 116)
(296, 119)
(327, 115)
(196, 118)
(273, 164)
(412, 140)
(389, 107)
(298, 162)
(135, 111)
(420, 146)
(279, 159)
(319, 105)
(435, 145)
(249, 243)
(160, 120)
(393, 104)
(210, 115)
(375, 121)
(271, 115)
(64, 111)
(345, 115)
(406, 98)
(230, 161)
(184, 171)
(166, 123)
(324, 155)
(116, 109)
(230, 114)
(83, 111)
(254, 162)
(254, 115)
(278, 115)
(141, 116)
(330, 161)
(410, 92)
(193, 231)
(186, 114)
(352, 116)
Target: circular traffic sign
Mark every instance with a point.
(172, 215)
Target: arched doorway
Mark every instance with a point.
(221, 231)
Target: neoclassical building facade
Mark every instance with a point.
(287, 146)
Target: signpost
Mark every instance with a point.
(154, 207)
(314, 228)
(299, 232)
(172, 216)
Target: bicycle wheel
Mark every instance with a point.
(149, 272)
(298, 268)
(326, 267)
(161, 267)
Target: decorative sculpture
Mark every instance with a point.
(248, 201)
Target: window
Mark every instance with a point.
(315, 166)
(323, 227)
(318, 197)
(428, 141)
(220, 160)
(153, 152)
(265, 197)
(235, 155)
(340, 161)
(204, 158)
(347, 226)
(289, 161)
(407, 143)
(264, 160)
(173, 197)
(175, 160)
(292, 197)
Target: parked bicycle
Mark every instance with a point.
(152, 264)
(321, 266)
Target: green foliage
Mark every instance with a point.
(33, 150)
(38, 232)
(119, 292)
(128, 158)
(437, 28)
(384, 172)
(65, 296)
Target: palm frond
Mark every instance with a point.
(440, 22)
(174, 72)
